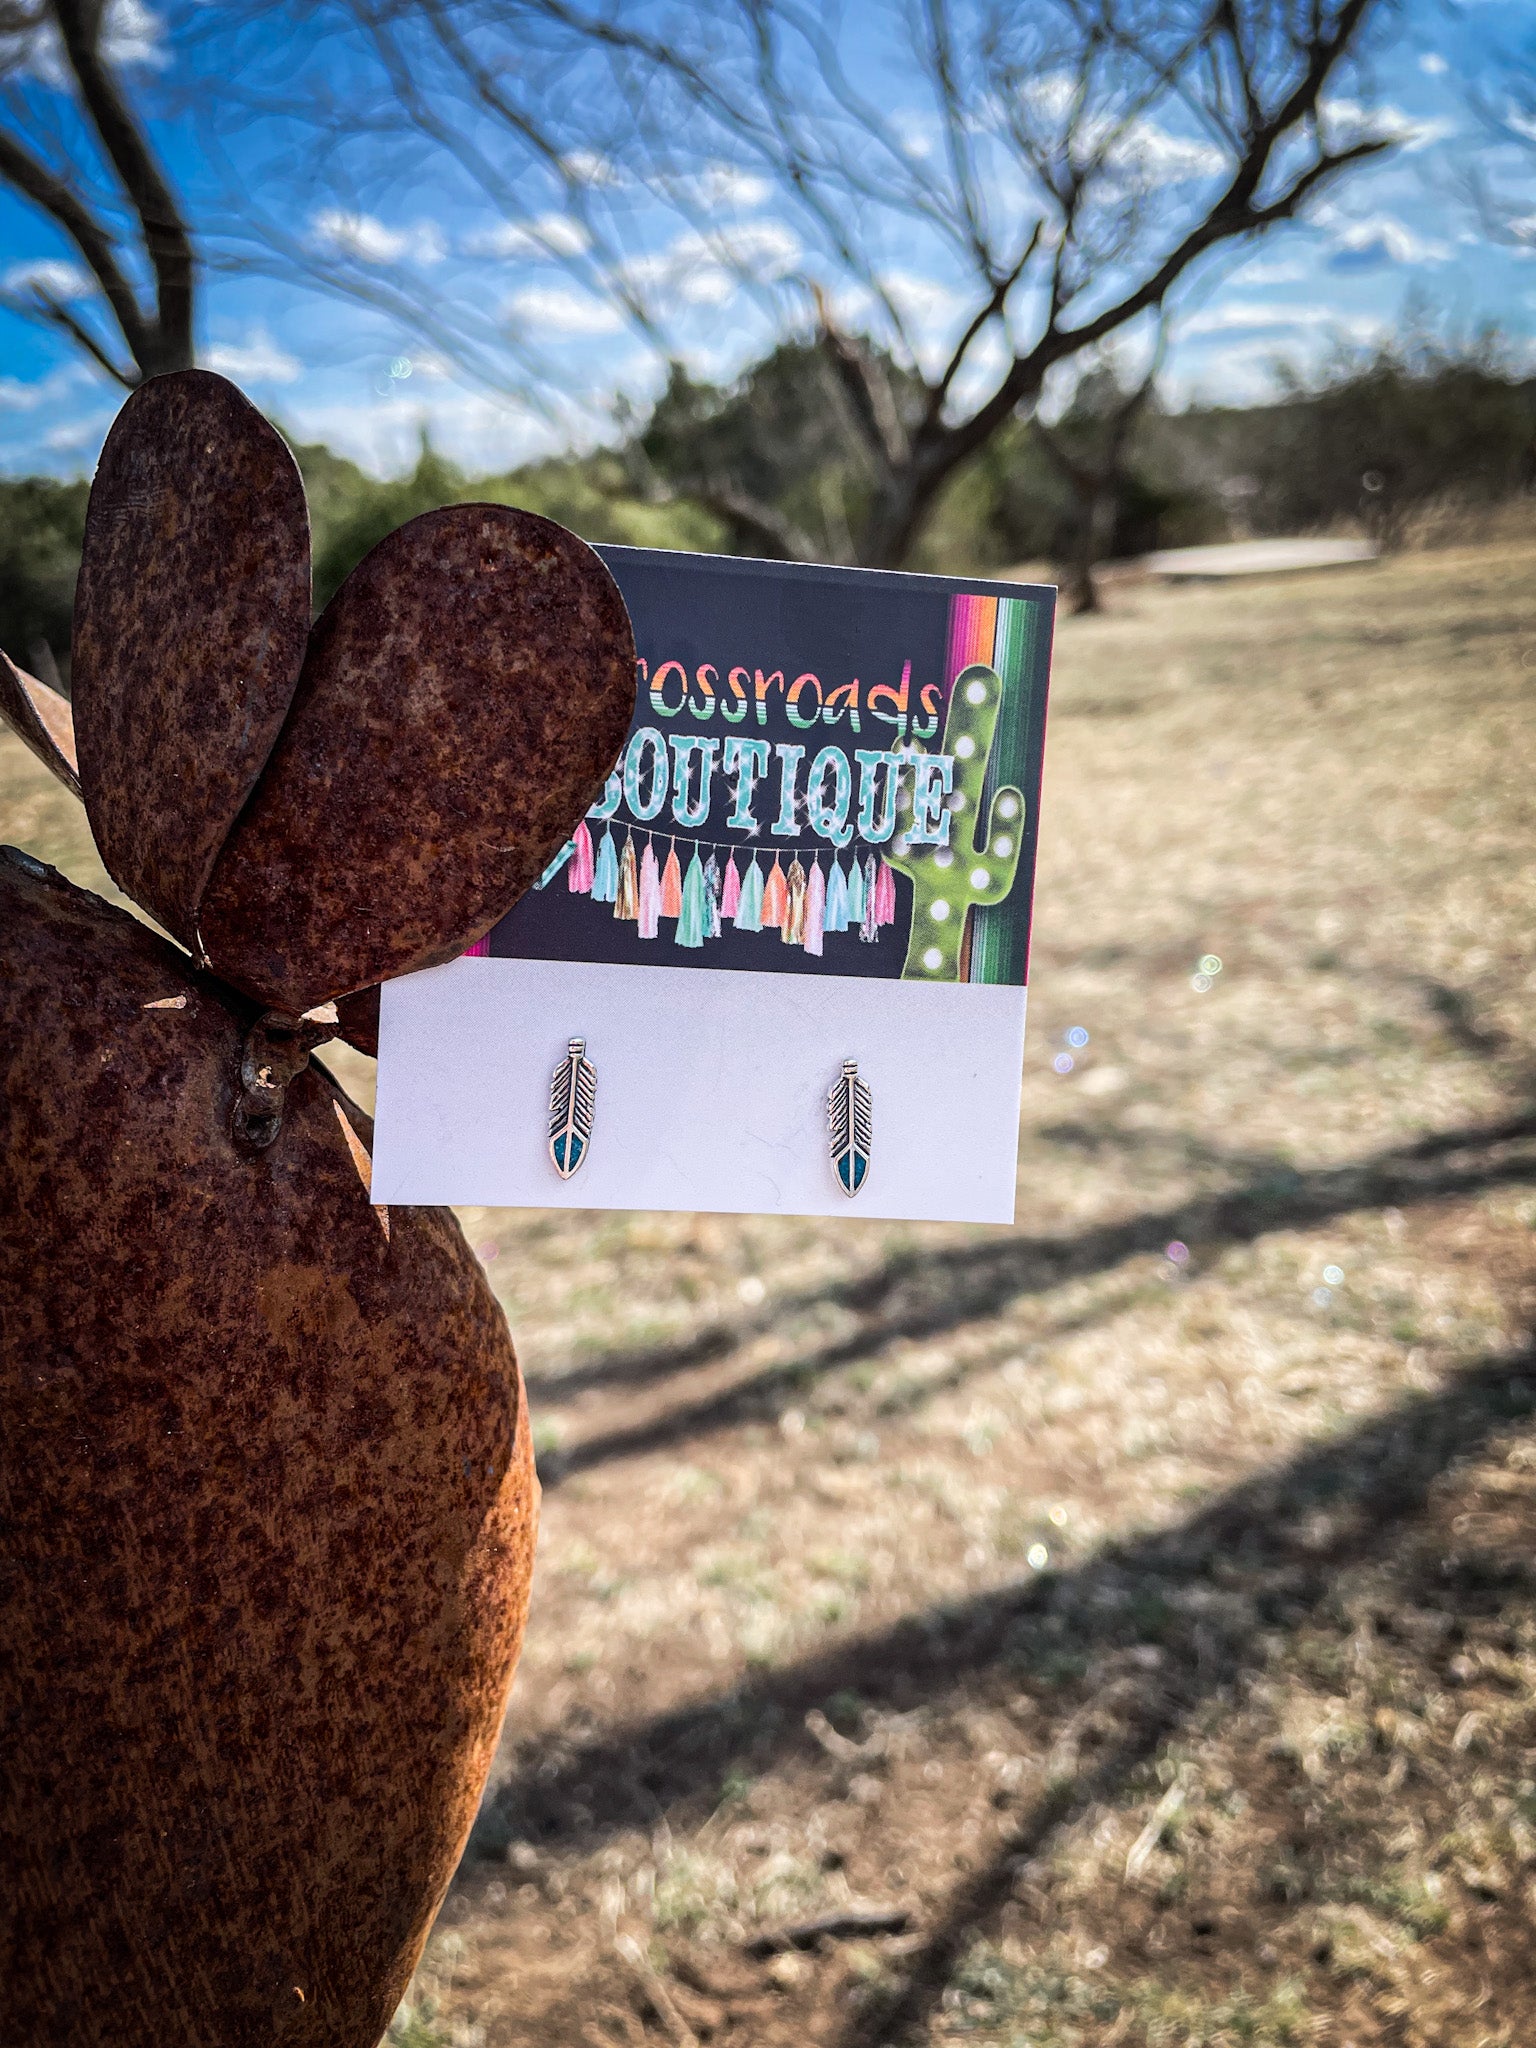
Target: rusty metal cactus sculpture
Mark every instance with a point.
(267, 1499)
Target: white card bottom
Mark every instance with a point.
(711, 1089)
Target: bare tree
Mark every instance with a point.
(975, 191)
(1094, 466)
(90, 169)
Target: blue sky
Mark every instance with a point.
(725, 261)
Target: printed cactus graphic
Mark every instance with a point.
(959, 929)
(976, 870)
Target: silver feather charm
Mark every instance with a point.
(572, 1099)
(850, 1121)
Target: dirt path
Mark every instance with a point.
(1138, 1601)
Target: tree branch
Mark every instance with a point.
(51, 195)
(1231, 217)
(167, 343)
(780, 537)
(56, 314)
(866, 387)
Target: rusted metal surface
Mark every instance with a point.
(276, 1051)
(191, 620)
(266, 1484)
(42, 720)
(268, 1504)
(313, 812)
(466, 692)
(358, 1020)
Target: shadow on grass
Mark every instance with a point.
(929, 1294)
(1071, 1637)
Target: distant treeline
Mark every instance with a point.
(1415, 423)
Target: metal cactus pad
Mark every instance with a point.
(267, 1501)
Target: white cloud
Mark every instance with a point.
(1285, 271)
(587, 167)
(550, 234)
(259, 360)
(1241, 315)
(370, 240)
(1433, 65)
(1243, 372)
(563, 311)
(912, 135)
(720, 185)
(1391, 124)
(19, 395)
(1150, 156)
(921, 302)
(1140, 151)
(706, 269)
(1369, 244)
(131, 34)
(71, 435)
(481, 434)
(58, 279)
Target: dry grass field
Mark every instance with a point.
(1120, 1629)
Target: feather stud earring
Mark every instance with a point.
(850, 1123)
(572, 1099)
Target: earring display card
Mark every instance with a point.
(817, 845)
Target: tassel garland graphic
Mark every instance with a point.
(836, 918)
(626, 901)
(580, 873)
(855, 894)
(672, 886)
(650, 894)
(691, 913)
(869, 927)
(815, 910)
(749, 910)
(605, 876)
(792, 931)
(802, 905)
(885, 895)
